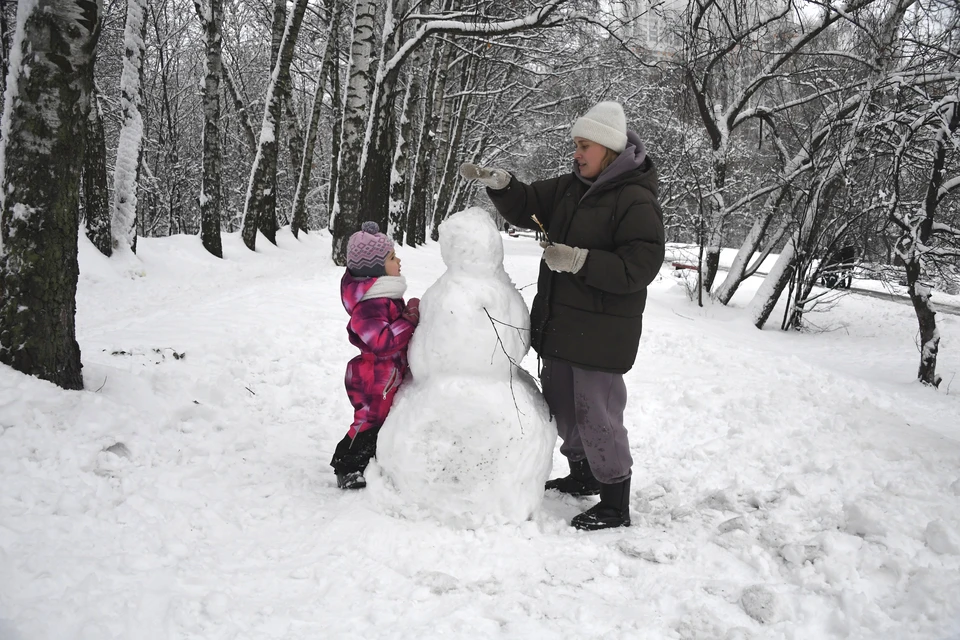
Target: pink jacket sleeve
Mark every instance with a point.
(371, 322)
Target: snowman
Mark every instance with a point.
(469, 438)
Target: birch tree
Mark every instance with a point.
(45, 107)
(359, 93)
(211, 18)
(298, 217)
(126, 175)
(336, 99)
(260, 207)
(366, 85)
(380, 137)
(421, 190)
(96, 196)
(399, 181)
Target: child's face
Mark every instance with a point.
(392, 264)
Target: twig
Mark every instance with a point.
(539, 224)
(105, 382)
(250, 390)
(506, 324)
(513, 363)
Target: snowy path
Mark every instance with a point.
(804, 478)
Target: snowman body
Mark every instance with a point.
(469, 438)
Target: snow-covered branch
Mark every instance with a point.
(545, 16)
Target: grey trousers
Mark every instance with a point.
(588, 407)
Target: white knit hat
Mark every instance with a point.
(604, 124)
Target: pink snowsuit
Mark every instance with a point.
(379, 329)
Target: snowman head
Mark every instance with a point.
(470, 242)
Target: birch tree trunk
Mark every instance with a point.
(796, 166)
(126, 175)
(299, 215)
(260, 208)
(240, 107)
(748, 248)
(45, 108)
(399, 183)
(438, 132)
(813, 211)
(421, 193)
(449, 176)
(363, 92)
(380, 140)
(715, 218)
(336, 99)
(346, 212)
(295, 141)
(211, 16)
(4, 46)
(96, 196)
(294, 135)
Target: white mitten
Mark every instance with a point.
(561, 257)
(490, 177)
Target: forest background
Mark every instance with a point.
(807, 130)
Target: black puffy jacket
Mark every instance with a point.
(593, 318)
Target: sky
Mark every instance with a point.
(786, 485)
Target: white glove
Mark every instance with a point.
(562, 257)
(492, 177)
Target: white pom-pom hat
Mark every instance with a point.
(604, 124)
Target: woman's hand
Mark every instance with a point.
(490, 177)
(562, 257)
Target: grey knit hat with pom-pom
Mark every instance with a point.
(367, 250)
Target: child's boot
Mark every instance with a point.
(351, 480)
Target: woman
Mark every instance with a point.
(604, 245)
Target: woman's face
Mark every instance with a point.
(392, 264)
(589, 157)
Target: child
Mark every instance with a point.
(381, 325)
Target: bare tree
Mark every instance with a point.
(46, 105)
(260, 208)
(126, 176)
(299, 215)
(836, 162)
(96, 196)
(421, 189)
(361, 122)
(211, 17)
(924, 237)
(732, 52)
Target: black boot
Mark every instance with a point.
(613, 510)
(351, 457)
(351, 480)
(580, 482)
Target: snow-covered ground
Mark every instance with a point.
(786, 485)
